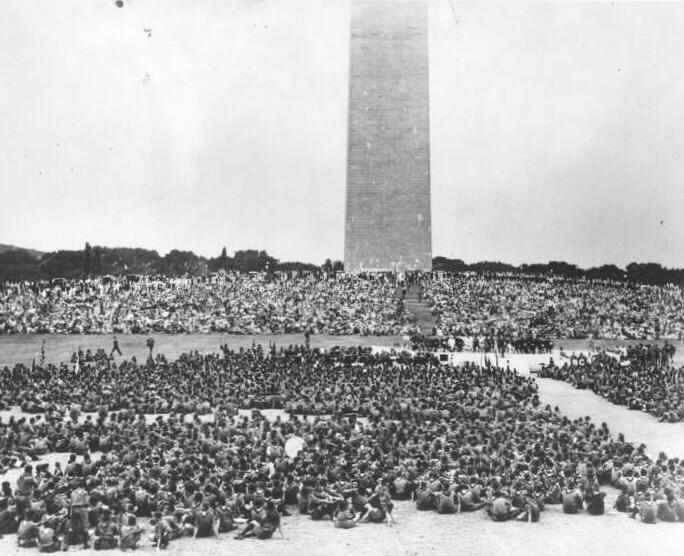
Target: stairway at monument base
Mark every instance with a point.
(420, 311)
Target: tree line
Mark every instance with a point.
(92, 261)
(642, 273)
(24, 264)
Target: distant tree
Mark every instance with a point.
(492, 266)
(252, 260)
(605, 272)
(653, 273)
(289, 266)
(179, 263)
(561, 268)
(534, 268)
(126, 260)
(222, 262)
(62, 264)
(448, 265)
(25, 264)
(87, 255)
(98, 260)
(18, 265)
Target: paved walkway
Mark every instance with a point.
(23, 348)
(637, 426)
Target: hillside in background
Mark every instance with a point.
(11, 248)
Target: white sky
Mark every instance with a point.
(557, 129)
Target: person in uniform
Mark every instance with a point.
(344, 516)
(647, 509)
(263, 524)
(150, 346)
(204, 522)
(424, 497)
(225, 516)
(379, 507)
(500, 509)
(26, 484)
(531, 509)
(106, 532)
(444, 501)
(130, 531)
(80, 515)
(572, 501)
(115, 347)
(27, 534)
(623, 502)
(8, 520)
(321, 504)
(305, 491)
(467, 499)
(667, 507)
(48, 541)
(162, 531)
(595, 502)
(401, 488)
(268, 523)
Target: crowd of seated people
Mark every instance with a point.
(370, 429)
(511, 311)
(524, 306)
(641, 377)
(255, 303)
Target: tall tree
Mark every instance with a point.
(98, 261)
(87, 254)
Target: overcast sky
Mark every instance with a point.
(557, 130)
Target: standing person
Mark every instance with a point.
(26, 485)
(80, 515)
(150, 346)
(307, 338)
(115, 346)
(42, 353)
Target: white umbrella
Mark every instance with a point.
(294, 445)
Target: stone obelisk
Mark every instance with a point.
(388, 224)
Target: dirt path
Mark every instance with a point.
(637, 426)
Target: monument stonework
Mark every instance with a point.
(388, 224)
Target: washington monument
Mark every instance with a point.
(388, 159)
